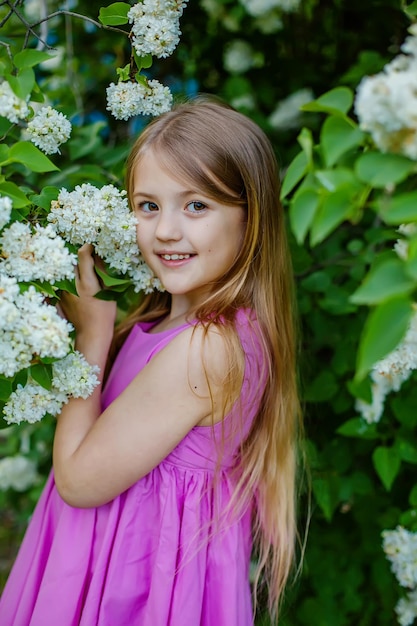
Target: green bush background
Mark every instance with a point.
(326, 44)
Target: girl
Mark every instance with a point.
(165, 481)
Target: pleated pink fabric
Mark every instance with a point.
(157, 555)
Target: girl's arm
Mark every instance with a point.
(97, 457)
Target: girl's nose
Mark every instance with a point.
(168, 227)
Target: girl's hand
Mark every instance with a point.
(91, 317)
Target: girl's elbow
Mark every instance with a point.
(74, 494)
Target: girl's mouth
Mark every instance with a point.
(175, 257)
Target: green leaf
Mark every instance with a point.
(305, 139)
(357, 427)
(301, 213)
(326, 493)
(115, 14)
(23, 83)
(335, 101)
(66, 285)
(15, 194)
(361, 389)
(337, 137)
(385, 327)
(111, 281)
(4, 153)
(142, 62)
(20, 378)
(28, 154)
(318, 281)
(86, 141)
(333, 179)
(398, 209)
(29, 58)
(407, 450)
(295, 172)
(383, 281)
(123, 73)
(45, 198)
(387, 464)
(412, 498)
(379, 169)
(411, 9)
(5, 388)
(334, 209)
(322, 388)
(42, 374)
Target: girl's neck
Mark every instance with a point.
(180, 313)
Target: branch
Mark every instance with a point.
(82, 17)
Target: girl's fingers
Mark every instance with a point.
(86, 277)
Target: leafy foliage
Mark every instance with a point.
(344, 201)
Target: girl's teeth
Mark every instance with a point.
(175, 257)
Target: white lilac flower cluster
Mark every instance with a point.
(49, 129)
(390, 373)
(35, 255)
(385, 103)
(101, 217)
(5, 210)
(258, 8)
(17, 472)
(11, 106)
(127, 99)
(400, 547)
(28, 327)
(156, 26)
(72, 377)
(156, 32)
(287, 113)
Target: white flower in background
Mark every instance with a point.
(258, 8)
(386, 103)
(390, 373)
(102, 218)
(245, 101)
(406, 609)
(400, 547)
(74, 376)
(28, 327)
(239, 57)
(35, 255)
(56, 61)
(401, 245)
(269, 23)
(17, 472)
(5, 210)
(11, 106)
(287, 114)
(156, 28)
(49, 129)
(127, 99)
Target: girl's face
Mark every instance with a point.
(189, 240)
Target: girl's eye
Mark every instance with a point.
(196, 207)
(148, 207)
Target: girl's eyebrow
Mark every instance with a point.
(181, 194)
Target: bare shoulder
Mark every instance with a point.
(206, 349)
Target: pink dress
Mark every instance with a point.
(150, 557)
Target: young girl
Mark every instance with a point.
(184, 464)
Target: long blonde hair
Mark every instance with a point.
(227, 156)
